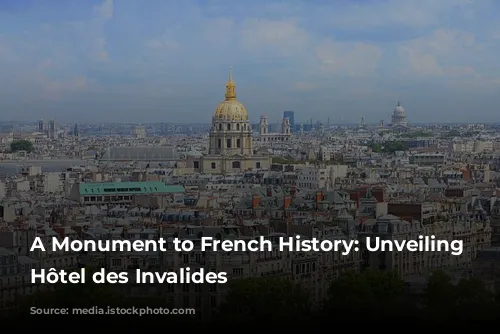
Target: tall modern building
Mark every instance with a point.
(291, 117)
(42, 126)
(52, 130)
(76, 133)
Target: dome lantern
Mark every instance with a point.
(230, 109)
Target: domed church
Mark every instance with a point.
(399, 122)
(230, 144)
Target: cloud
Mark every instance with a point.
(354, 59)
(55, 88)
(52, 59)
(331, 52)
(5, 49)
(283, 36)
(304, 86)
(93, 30)
(166, 42)
(430, 55)
(393, 14)
(105, 11)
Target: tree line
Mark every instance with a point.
(389, 147)
(375, 298)
(21, 145)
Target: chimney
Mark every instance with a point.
(287, 200)
(255, 201)
(319, 196)
(355, 196)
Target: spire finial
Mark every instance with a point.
(230, 86)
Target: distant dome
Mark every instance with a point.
(399, 110)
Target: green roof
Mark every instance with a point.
(129, 188)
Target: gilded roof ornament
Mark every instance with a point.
(230, 86)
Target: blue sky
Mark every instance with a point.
(167, 61)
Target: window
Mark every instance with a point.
(257, 165)
(236, 164)
(219, 143)
(238, 127)
(238, 143)
(237, 272)
(228, 143)
(213, 165)
(196, 164)
(220, 127)
(229, 126)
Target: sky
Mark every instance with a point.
(144, 61)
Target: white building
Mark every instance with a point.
(324, 177)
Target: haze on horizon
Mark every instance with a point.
(167, 61)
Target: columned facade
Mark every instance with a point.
(230, 146)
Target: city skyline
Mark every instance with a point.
(168, 61)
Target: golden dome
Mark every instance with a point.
(230, 109)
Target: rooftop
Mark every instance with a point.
(144, 188)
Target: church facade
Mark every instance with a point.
(269, 137)
(230, 142)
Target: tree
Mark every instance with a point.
(265, 300)
(379, 293)
(416, 134)
(389, 147)
(282, 161)
(474, 302)
(472, 290)
(439, 298)
(440, 290)
(452, 133)
(21, 145)
(377, 148)
(468, 300)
